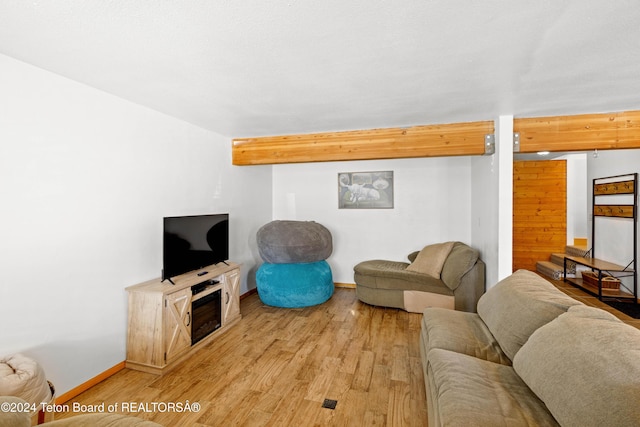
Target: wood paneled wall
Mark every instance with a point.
(579, 132)
(456, 139)
(539, 211)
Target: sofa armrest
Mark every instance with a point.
(102, 420)
(394, 270)
(393, 275)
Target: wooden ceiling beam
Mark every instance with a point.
(455, 139)
(580, 132)
(608, 131)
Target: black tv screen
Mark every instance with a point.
(193, 242)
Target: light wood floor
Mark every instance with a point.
(277, 366)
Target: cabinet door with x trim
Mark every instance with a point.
(177, 325)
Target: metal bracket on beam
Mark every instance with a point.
(516, 142)
(489, 144)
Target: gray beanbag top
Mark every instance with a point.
(285, 242)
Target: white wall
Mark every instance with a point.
(432, 204)
(484, 209)
(577, 200)
(85, 179)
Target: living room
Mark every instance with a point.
(101, 205)
(88, 176)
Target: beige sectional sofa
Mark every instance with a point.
(530, 356)
(457, 282)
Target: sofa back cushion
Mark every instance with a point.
(585, 366)
(518, 305)
(461, 259)
(431, 259)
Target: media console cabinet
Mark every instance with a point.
(160, 315)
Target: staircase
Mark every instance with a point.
(554, 267)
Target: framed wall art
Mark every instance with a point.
(365, 190)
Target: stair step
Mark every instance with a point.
(559, 260)
(576, 250)
(550, 269)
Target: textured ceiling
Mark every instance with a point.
(256, 68)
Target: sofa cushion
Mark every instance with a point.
(431, 258)
(14, 418)
(585, 365)
(460, 261)
(518, 305)
(461, 332)
(102, 420)
(467, 391)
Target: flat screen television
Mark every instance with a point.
(193, 242)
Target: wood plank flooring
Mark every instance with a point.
(277, 367)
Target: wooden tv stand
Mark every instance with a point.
(159, 316)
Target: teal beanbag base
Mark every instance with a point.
(294, 285)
